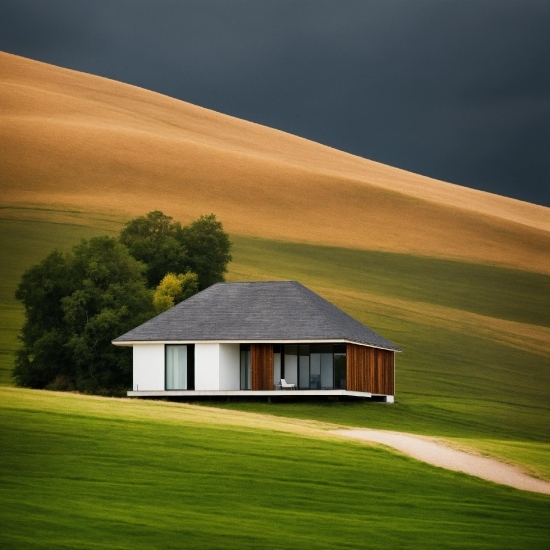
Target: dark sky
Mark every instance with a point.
(457, 90)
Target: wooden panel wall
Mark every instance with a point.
(369, 369)
(356, 371)
(261, 363)
(383, 372)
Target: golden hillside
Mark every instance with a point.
(73, 140)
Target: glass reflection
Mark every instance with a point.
(176, 367)
(315, 366)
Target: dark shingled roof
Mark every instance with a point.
(274, 310)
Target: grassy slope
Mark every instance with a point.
(92, 472)
(457, 379)
(476, 341)
(446, 374)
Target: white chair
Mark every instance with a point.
(286, 386)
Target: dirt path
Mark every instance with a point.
(438, 454)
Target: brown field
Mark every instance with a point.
(72, 140)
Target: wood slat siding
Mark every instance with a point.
(369, 369)
(261, 363)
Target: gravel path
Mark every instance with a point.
(438, 454)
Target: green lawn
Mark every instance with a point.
(84, 472)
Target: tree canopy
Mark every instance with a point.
(75, 304)
(166, 247)
(153, 240)
(207, 247)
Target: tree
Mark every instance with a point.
(166, 247)
(154, 240)
(43, 355)
(173, 289)
(208, 249)
(75, 304)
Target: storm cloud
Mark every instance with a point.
(459, 91)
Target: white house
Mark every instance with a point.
(243, 339)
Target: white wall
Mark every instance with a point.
(217, 367)
(148, 367)
(230, 367)
(207, 366)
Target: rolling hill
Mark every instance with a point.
(75, 141)
(457, 276)
(460, 279)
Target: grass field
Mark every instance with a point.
(458, 278)
(464, 366)
(475, 366)
(487, 290)
(104, 473)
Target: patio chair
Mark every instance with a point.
(286, 386)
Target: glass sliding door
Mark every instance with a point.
(327, 371)
(312, 366)
(176, 367)
(246, 367)
(303, 367)
(315, 370)
(291, 364)
(340, 366)
(322, 367)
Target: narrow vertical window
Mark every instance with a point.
(315, 371)
(291, 364)
(176, 367)
(340, 366)
(327, 371)
(277, 366)
(246, 373)
(303, 367)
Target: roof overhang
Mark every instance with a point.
(245, 341)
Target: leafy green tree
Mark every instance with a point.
(154, 239)
(75, 304)
(173, 289)
(166, 247)
(208, 249)
(43, 355)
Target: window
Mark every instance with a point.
(303, 367)
(340, 371)
(179, 367)
(245, 367)
(321, 376)
(176, 367)
(291, 364)
(315, 366)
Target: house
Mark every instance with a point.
(241, 339)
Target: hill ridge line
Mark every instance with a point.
(544, 224)
(87, 138)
